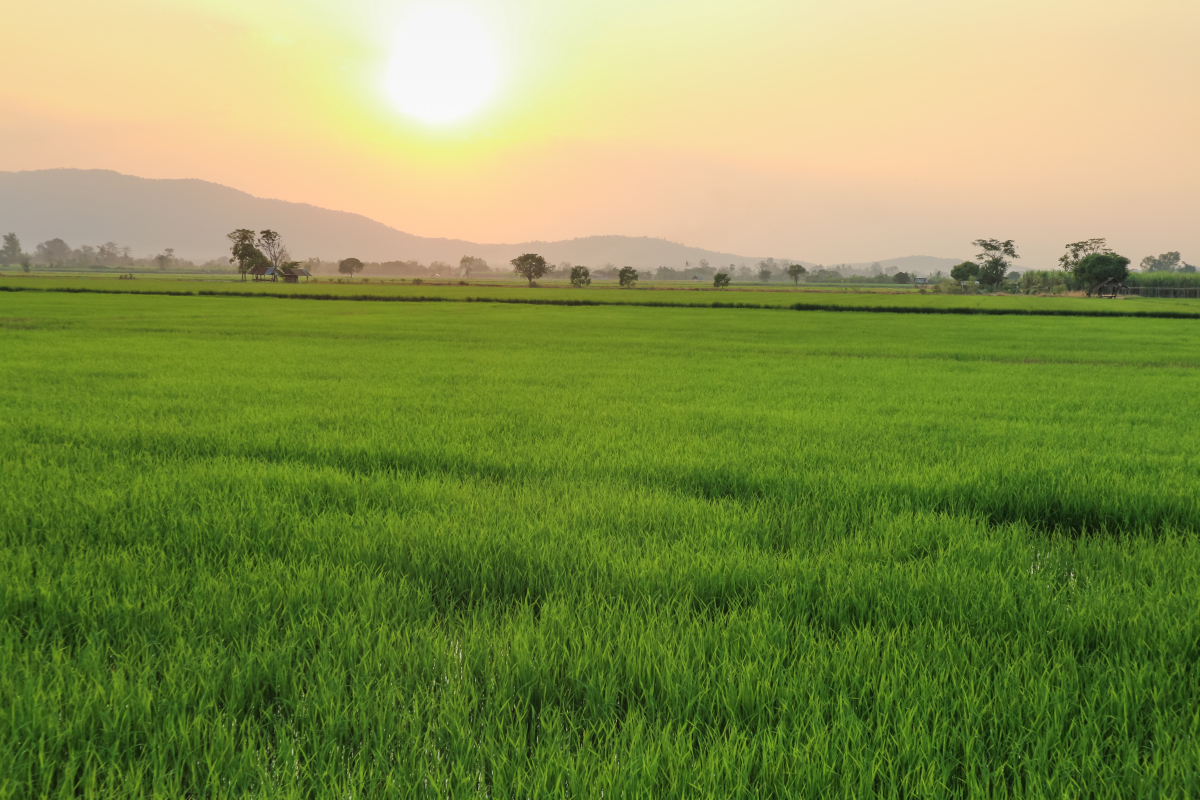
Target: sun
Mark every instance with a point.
(444, 66)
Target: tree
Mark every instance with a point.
(901, 277)
(1099, 267)
(794, 272)
(704, 263)
(1167, 262)
(244, 252)
(966, 271)
(1077, 251)
(1188, 267)
(627, 276)
(349, 266)
(720, 280)
(25, 262)
(54, 251)
(1013, 276)
(469, 264)
(11, 252)
(764, 272)
(994, 256)
(165, 258)
(580, 276)
(271, 245)
(530, 266)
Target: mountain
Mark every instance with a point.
(193, 216)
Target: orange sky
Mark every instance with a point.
(847, 131)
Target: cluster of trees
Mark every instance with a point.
(1166, 262)
(58, 254)
(263, 249)
(1084, 265)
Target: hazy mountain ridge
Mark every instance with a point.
(192, 216)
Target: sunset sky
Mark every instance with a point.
(827, 131)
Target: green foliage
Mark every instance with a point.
(901, 277)
(995, 258)
(628, 276)
(1180, 280)
(795, 272)
(580, 277)
(530, 266)
(867, 570)
(11, 253)
(1077, 251)
(966, 271)
(1099, 267)
(823, 275)
(245, 253)
(1045, 281)
(350, 266)
(765, 270)
(720, 280)
(1167, 262)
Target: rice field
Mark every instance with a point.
(648, 294)
(333, 549)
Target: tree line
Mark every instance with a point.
(57, 254)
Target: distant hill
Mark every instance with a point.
(193, 216)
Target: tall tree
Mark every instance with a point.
(11, 252)
(349, 266)
(469, 264)
(764, 271)
(794, 272)
(530, 266)
(995, 258)
(271, 245)
(1077, 251)
(628, 276)
(244, 252)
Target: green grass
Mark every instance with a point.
(653, 295)
(452, 549)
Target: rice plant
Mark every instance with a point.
(279, 549)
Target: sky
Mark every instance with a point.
(827, 131)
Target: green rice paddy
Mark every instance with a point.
(255, 548)
(648, 294)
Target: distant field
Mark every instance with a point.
(648, 294)
(335, 549)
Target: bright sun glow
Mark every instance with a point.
(445, 64)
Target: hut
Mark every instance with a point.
(264, 273)
(294, 274)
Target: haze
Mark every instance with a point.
(825, 131)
